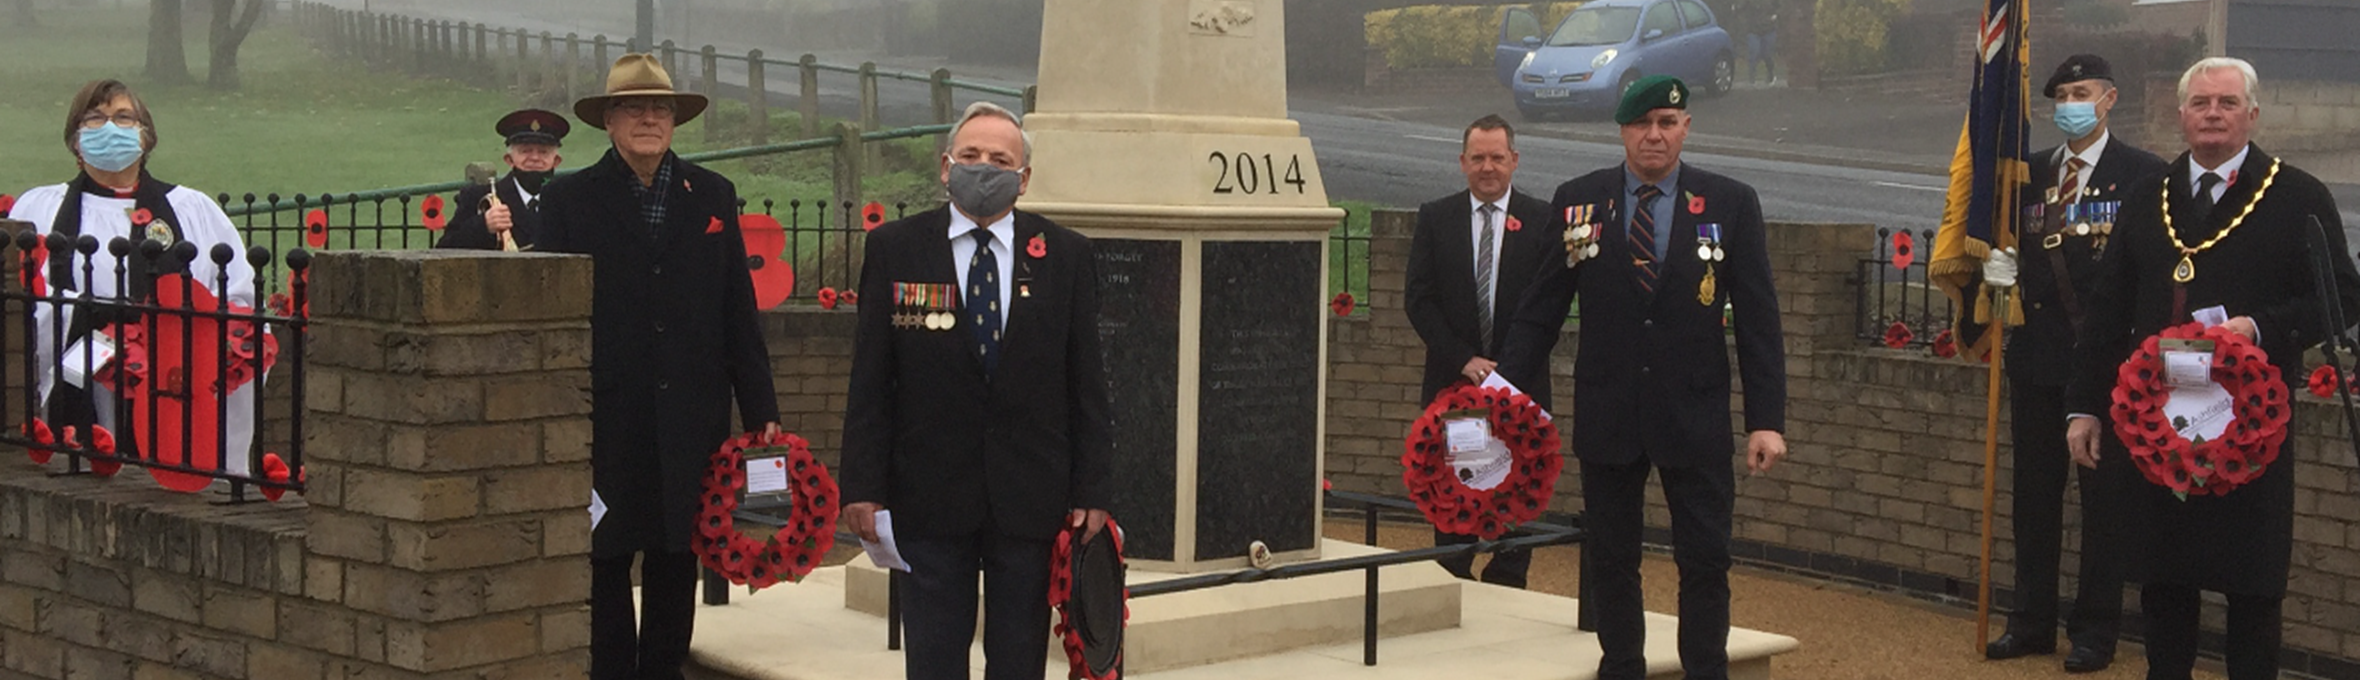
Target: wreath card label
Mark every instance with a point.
(1478, 459)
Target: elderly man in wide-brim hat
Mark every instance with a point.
(673, 337)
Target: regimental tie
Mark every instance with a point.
(1483, 275)
(1642, 237)
(2069, 189)
(983, 298)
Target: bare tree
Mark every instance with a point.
(231, 25)
(167, 57)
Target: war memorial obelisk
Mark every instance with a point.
(1161, 132)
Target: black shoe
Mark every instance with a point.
(2087, 660)
(2011, 645)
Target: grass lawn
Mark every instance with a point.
(307, 122)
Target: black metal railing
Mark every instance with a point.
(1348, 261)
(1888, 295)
(1555, 530)
(172, 378)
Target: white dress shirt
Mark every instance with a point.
(1003, 248)
(2227, 171)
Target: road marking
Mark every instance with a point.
(1445, 140)
(1897, 185)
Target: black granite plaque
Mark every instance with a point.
(1258, 414)
(1139, 328)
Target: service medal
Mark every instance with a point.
(1705, 288)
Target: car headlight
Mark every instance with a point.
(1527, 60)
(1604, 58)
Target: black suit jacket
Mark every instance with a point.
(1651, 377)
(2040, 351)
(673, 336)
(950, 450)
(467, 229)
(1440, 292)
(2238, 542)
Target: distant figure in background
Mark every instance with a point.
(111, 135)
(1469, 263)
(1758, 22)
(513, 221)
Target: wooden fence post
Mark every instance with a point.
(808, 103)
(757, 98)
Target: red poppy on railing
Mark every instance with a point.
(872, 216)
(432, 210)
(315, 228)
(1898, 336)
(1342, 304)
(1904, 250)
(1944, 345)
(827, 298)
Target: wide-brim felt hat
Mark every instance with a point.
(638, 75)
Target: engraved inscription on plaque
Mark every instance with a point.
(1139, 332)
(1257, 467)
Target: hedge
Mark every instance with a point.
(1434, 36)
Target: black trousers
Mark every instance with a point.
(2042, 462)
(1506, 568)
(1614, 514)
(938, 609)
(2172, 615)
(625, 645)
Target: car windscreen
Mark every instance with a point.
(1596, 26)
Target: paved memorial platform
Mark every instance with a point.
(812, 631)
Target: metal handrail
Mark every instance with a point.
(812, 144)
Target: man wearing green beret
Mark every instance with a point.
(1655, 251)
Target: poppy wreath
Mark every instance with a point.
(1061, 594)
(1460, 509)
(2206, 467)
(797, 548)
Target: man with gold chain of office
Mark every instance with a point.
(2218, 237)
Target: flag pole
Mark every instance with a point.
(1999, 326)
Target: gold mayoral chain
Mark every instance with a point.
(2186, 270)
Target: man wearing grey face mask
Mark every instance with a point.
(978, 417)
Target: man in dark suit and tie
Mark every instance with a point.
(1674, 245)
(1474, 253)
(673, 341)
(2077, 187)
(979, 415)
(513, 221)
(2218, 236)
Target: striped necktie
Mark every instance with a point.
(1642, 237)
(1483, 274)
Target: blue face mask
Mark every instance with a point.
(110, 147)
(2077, 119)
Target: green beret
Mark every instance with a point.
(1648, 94)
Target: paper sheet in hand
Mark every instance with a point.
(597, 509)
(766, 475)
(883, 552)
(2212, 316)
(1495, 381)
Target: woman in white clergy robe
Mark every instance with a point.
(111, 135)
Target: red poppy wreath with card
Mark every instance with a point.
(1463, 499)
(2201, 466)
(798, 547)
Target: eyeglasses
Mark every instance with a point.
(644, 108)
(127, 119)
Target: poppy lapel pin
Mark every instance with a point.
(714, 226)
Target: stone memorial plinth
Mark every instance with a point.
(1161, 132)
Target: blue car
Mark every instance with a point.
(1602, 47)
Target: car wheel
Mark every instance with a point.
(1724, 75)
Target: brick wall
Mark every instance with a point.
(1884, 483)
(442, 536)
